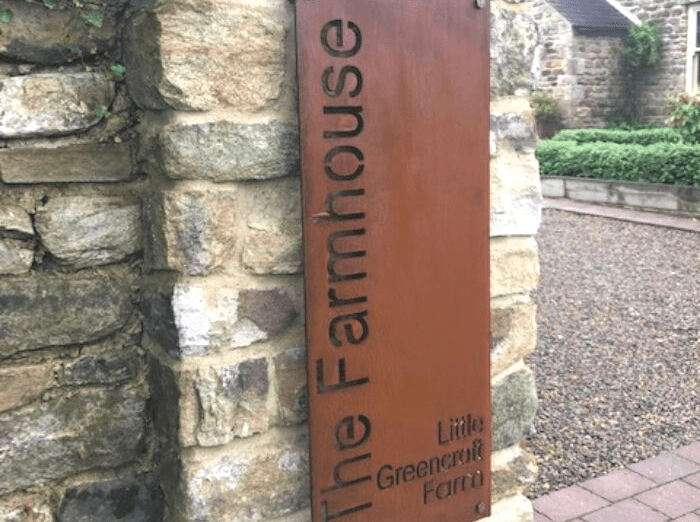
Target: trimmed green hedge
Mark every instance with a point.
(670, 163)
(639, 137)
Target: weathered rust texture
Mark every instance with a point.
(394, 112)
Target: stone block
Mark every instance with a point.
(221, 404)
(89, 430)
(513, 332)
(227, 151)
(85, 162)
(553, 187)
(90, 230)
(129, 500)
(514, 404)
(26, 508)
(514, 265)
(229, 55)
(596, 192)
(40, 35)
(267, 480)
(514, 41)
(16, 241)
(20, 385)
(231, 319)
(52, 104)
(517, 130)
(196, 320)
(15, 223)
(16, 256)
(292, 389)
(513, 470)
(512, 509)
(516, 199)
(646, 197)
(272, 243)
(191, 231)
(105, 369)
(45, 309)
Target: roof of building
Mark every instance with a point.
(592, 15)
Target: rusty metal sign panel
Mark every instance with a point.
(394, 115)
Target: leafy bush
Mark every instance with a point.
(640, 51)
(639, 137)
(547, 108)
(670, 163)
(685, 116)
(642, 47)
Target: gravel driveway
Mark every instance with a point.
(618, 354)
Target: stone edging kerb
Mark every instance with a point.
(649, 196)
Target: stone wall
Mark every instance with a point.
(75, 438)
(583, 72)
(515, 218)
(153, 364)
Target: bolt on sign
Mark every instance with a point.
(394, 115)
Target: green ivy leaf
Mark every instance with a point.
(118, 69)
(102, 113)
(94, 18)
(51, 4)
(5, 15)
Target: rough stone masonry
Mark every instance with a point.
(152, 358)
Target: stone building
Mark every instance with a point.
(151, 303)
(578, 58)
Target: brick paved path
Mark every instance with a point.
(663, 488)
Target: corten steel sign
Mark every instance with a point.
(394, 112)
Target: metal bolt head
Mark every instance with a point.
(479, 3)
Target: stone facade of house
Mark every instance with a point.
(585, 72)
(668, 78)
(151, 297)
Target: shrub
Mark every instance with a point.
(685, 115)
(638, 137)
(547, 108)
(670, 163)
(640, 51)
(642, 47)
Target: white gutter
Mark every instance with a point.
(626, 12)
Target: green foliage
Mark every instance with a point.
(5, 15)
(547, 108)
(117, 69)
(685, 116)
(638, 137)
(669, 163)
(93, 18)
(102, 112)
(642, 47)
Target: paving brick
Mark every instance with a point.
(665, 468)
(539, 517)
(618, 485)
(691, 452)
(626, 511)
(568, 503)
(674, 499)
(690, 517)
(693, 480)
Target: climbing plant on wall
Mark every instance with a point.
(641, 51)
